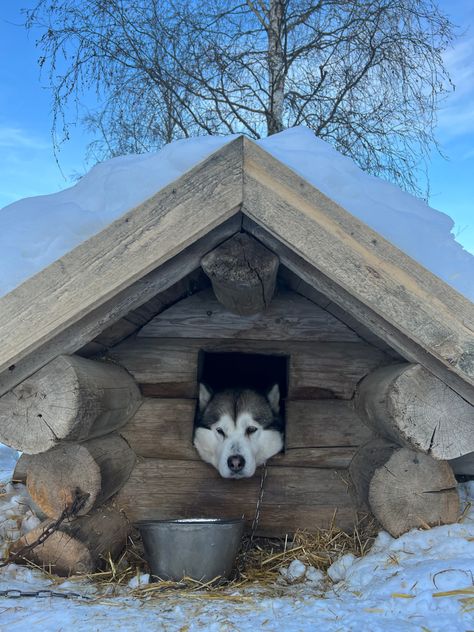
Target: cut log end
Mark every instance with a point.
(97, 468)
(407, 404)
(243, 274)
(404, 489)
(72, 399)
(80, 546)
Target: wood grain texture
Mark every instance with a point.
(404, 489)
(72, 399)
(379, 278)
(243, 274)
(290, 316)
(80, 546)
(321, 434)
(408, 405)
(98, 468)
(96, 271)
(317, 370)
(294, 499)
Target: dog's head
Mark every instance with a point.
(238, 429)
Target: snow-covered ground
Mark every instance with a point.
(36, 231)
(422, 581)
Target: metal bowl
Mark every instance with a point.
(201, 548)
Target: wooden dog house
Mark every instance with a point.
(102, 352)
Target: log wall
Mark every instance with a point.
(307, 486)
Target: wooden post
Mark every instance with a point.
(407, 404)
(70, 398)
(243, 274)
(79, 546)
(98, 467)
(404, 489)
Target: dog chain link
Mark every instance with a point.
(13, 593)
(256, 517)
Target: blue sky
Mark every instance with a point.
(28, 166)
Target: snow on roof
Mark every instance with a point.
(36, 231)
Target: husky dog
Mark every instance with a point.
(238, 429)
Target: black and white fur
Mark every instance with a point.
(238, 429)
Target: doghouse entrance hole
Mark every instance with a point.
(245, 370)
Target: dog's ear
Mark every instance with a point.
(205, 395)
(273, 396)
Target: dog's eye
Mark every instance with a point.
(220, 431)
(251, 429)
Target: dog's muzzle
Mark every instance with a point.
(236, 463)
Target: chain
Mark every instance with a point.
(69, 512)
(256, 517)
(13, 593)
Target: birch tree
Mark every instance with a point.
(366, 75)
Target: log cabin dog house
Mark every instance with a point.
(103, 350)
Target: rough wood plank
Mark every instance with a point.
(294, 499)
(47, 305)
(382, 279)
(322, 434)
(408, 405)
(289, 316)
(71, 399)
(243, 274)
(317, 370)
(289, 279)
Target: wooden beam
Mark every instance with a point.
(402, 343)
(295, 498)
(290, 316)
(408, 405)
(91, 324)
(71, 399)
(373, 280)
(243, 274)
(83, 280)
(318, 370)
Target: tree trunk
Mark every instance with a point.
(407, 404)
(98, 467)
(70, 398)
(79, 546)
(243, 274)
(276, 67)
(404, 489)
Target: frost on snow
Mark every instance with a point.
(423, 580)
(36, 231)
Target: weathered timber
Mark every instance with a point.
(404, 489)
(64, 306)
(80, 546)
(21, 468)
(294, 498)
(326, 370)
(288, 279)
(428, 339)
(290, 316)
(71, 398)
(98, 468)
(323, 434)
(243, 274)
(409, 405)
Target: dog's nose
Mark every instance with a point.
(236, 463)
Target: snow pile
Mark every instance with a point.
(423, 580)
(36, 231)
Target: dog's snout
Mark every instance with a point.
(236, 463)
